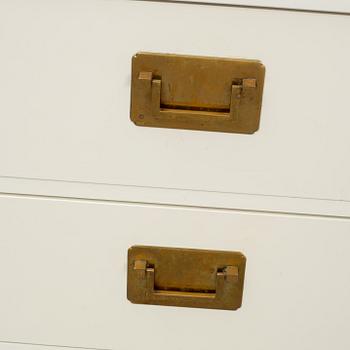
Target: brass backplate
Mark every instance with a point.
(198, 93)
(185, 277)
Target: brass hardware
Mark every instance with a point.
(185, 277)
(198, 93)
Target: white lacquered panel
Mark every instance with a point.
(65, 87)
(63, 277)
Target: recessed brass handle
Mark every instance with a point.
(198, 93)
(185, 277)
(196, 112)
(226, 280)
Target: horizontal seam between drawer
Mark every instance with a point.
(52, 345)
(172, 188)
(166, 205)
(253, 7)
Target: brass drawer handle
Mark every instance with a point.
(198, 93)
(225, 281)
(185, 277)
(159, 110)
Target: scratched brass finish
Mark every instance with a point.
(198, 93)
(185, 277)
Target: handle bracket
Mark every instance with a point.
(197, 112)
(225, 279)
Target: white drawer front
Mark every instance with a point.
(65, 87)
(63, 277)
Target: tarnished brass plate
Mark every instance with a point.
(185, 277)
(198, 93)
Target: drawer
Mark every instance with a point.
(65, 84)
(63, 277)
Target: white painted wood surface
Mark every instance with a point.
(309, 5)
(64, 87)
(63, 277)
